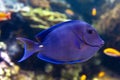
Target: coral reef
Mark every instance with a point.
(46, 13)
(109, 26)
(39, 18)
(9, 70)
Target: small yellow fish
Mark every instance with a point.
(112, 52)
(83, 77)
(101, 74)
(94, 12)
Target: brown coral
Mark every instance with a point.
(40, 3)
(37, 3)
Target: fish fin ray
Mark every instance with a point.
(30, 48)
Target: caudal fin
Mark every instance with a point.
(30, 47)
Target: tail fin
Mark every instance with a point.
(30, 48)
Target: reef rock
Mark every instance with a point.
(109, 26)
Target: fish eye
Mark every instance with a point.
(90, 31)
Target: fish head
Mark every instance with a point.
(90, 40)
(87, 34)
(91, 37)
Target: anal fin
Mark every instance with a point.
(42, 57)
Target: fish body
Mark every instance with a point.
(94, 12)
(67, 42)
(5, 16)
(112, 52)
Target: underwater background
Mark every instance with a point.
(26, 18)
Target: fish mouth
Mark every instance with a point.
(100, 45)
(95, 45)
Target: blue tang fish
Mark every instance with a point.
(67, 42)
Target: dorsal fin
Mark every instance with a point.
(40, 36)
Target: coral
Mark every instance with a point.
(71, 72)
(40, 18)
(109, 26)
(2, 45)
(9, 70)
(37, 3)
(40, 3)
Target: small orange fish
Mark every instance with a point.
(94, 12)
(112, 52)
(69, 12)
(5, 16)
